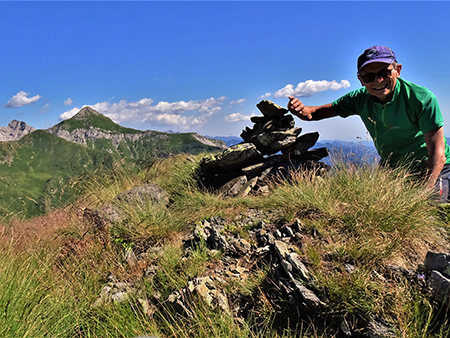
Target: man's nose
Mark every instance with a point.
(378, 78)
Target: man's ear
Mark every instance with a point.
(398, 69)
(360, 80)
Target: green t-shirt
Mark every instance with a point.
(397, 127)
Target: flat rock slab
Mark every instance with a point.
(270, 109)
(145, 193)
(235, 157)
(302, 144)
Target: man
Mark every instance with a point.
(404, 119)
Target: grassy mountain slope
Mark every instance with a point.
(36, 169)
(36, 173)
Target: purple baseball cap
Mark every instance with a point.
(376, 54)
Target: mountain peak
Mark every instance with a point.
(85, 112)
(14, 131)
(88, 118)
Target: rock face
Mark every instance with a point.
(247, 167)
(14, 131)
(83, 136)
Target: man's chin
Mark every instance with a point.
(382, 97)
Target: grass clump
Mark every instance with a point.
(143, 224)
(372, 213)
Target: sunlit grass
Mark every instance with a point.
(33, 301)
(371, 211)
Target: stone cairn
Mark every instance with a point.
(272, 149)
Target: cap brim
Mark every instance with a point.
(384, 60)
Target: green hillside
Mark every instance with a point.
(36, 170)
(171, 143)
(152, 144)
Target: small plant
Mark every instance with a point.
(313, 255)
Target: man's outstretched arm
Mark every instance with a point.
(310, 113)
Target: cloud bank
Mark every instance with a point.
(183, 115)
(21, 99)
(309, 88)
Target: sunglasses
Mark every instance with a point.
(370, 77)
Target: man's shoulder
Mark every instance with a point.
(357, 93)
(419, 99)
(415, 89)
(352, 103)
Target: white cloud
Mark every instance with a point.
(265, 96)
(236, 117)
(180, 114)
(21, 99)
(68, 102)
(309, 88)
(240, 101)
(45, 108)
(68, 114)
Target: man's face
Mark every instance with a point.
(384, 78)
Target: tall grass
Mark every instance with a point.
(420, 316)
(144, 222)
(372, 212)
(48, 293)
(32, 301)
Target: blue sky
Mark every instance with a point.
(203, 66)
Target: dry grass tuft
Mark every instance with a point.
(38, 232)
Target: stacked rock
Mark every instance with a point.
(273, 148)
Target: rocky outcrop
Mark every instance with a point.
(149, 194)
(270, 245)
(437, 268)
(273, 148)
(83, 136)
(209, 141)
(15, 130)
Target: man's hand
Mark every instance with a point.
(310, 113)
(296, 107)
